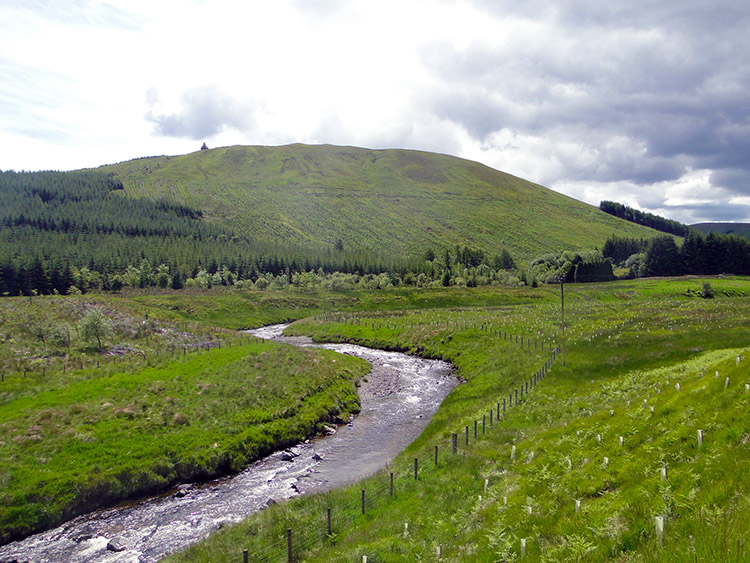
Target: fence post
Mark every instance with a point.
(436, 455)
(475, 429)
(467, 435)
(416, 465)
(391, 493)
(363, 501)
(289, 544)
(484, 423)
(245, 556)
(329, 521)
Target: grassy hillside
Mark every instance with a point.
(647, 361)
(394, 201)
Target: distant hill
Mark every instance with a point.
(238, 212)
(738, 229)
(400, 202)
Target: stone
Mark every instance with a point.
(116, 544)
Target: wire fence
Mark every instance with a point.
(302, 538)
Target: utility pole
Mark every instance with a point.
(562, 315)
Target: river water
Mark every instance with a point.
(398, 399)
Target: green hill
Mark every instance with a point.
(237, 213)
(401, 202)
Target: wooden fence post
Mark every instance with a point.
(454, 436)
(289, 544)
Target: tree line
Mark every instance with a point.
(63, 230)
(646, 219)
(699, 254)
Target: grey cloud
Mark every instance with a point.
(707, 213)
(205, 112)
(736, 180)
(686, 14)
(669, 76)
(478, 112)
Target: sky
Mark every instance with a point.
(642, 102)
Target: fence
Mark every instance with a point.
(303, 538)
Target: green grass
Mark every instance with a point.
(626, 342)
(403, 201)
(79, 438)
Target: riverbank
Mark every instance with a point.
(397, 400)
(94, 437)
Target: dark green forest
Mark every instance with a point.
(646, 219)
(63, 232)
(699, 254)
(56, 227)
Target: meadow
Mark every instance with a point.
(158, 404)
(585, 467)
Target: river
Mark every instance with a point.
(398, 399)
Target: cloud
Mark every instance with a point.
(205, 112)
(607, 93)
(77, 12)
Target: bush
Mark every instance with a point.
(707, 292)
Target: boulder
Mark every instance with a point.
(116, 544)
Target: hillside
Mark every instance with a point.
(397, 201)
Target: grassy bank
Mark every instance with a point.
(82, 428)
(628, 346)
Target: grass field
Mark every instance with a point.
(160, 404)
(586, 433)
